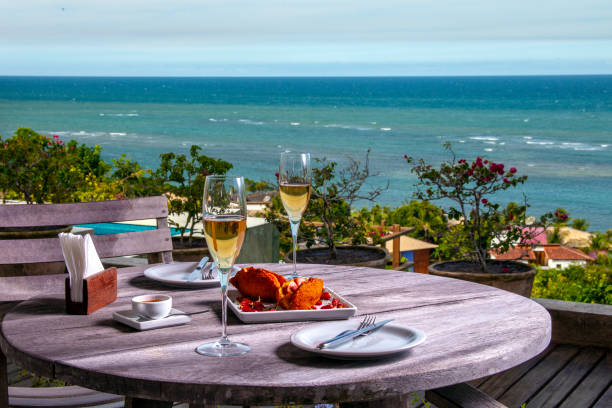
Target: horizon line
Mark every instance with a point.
(306, 76)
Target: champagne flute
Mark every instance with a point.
(294, 186)
(224, 218)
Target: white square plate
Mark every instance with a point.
(130, 318)
(291, 315)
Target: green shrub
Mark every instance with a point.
(592, 284)
(37, 168)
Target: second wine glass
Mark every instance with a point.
(224, 218)
(294, 179)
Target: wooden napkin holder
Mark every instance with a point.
(99, 290)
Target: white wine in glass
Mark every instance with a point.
(294, 179)
(224, 218)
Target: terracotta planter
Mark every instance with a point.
(42, 268)
(356, 255)
(518, 280)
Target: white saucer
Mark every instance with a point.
(175, 274)
(388, 340)
(129, 318)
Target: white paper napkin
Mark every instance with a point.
(82, 260)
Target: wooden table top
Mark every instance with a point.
(472, 331)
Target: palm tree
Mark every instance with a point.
(580, 224)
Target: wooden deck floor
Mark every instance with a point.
(563, 376)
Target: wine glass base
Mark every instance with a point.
(217, 349)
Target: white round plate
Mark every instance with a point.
(175, 274)
(389, 339)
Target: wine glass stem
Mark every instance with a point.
(223, 278)
(295, 225)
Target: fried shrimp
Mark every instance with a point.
(300, 293)
(258, 283)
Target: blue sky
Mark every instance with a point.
(305, 37)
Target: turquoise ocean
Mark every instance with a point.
(555, 129)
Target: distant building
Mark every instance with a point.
(545, 255)
(414, 250)
(523, 254)
(559, 256)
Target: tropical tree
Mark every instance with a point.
(470, 187)
(580, 224)
(37, 168)
(183, 179)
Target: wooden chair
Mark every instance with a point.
(156, 243)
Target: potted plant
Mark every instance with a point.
(333, 234)
(183, 178)
(479, 224)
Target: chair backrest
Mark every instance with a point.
(25, 251)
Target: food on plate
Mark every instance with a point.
(300, 293)
(265, 291)
(258, 283)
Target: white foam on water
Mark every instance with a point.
(489, 138)
(502, 143)
(604, 145)
(530, 165)
(577, 146)
(540, 142)
(117, 133)
(488, 149)
(385, 129)
(462, 141)
(250, 122)
(373, 123)
(527, 137)
(212, 119)
(295, 123)
(85, 134)
(279, 146)
(526, 120)
(490, 142)
(351, 127)
(119, 114)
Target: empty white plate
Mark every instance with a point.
(175, 274)
(390, 339)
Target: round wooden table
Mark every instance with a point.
(472, 331)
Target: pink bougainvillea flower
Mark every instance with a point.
(513, 170)
(484, 201)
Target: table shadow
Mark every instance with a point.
(299, 357)
(42, 306)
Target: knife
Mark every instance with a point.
(334, 341)
(198, 270)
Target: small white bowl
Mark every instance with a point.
(152, 306)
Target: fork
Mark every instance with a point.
(367, 320)
(209, 273)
